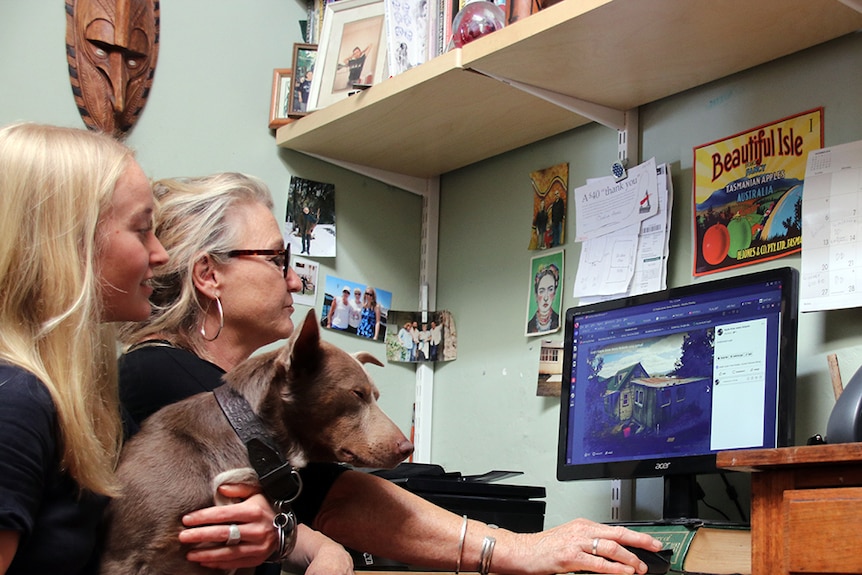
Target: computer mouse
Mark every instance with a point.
(657, 562)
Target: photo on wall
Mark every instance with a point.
(415, 336)
(549, 382)
(307, 271)
(310, 219)
(355, 308)
(546, 294)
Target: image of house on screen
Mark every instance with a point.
(662, 405)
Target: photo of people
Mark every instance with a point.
(415, 336)
(307, 272)
(355, 308)
(310, 218)
(550, 196)
(358, 54)
(304, 56)
(546, 294)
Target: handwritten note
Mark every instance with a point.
(604, 205)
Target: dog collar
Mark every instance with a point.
(278, 478)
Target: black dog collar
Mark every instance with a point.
(279, 480)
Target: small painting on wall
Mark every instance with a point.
(546, 294)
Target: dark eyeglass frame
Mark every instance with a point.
(284, 253)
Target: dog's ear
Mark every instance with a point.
(305, 353)
(365, 357)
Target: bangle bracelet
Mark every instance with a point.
(461, 544)
(485, 557)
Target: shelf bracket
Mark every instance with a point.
(624, 122)
(418, 186)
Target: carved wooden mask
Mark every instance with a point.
(112, 47)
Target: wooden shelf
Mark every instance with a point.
(618, 54)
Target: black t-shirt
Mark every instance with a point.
(58, 524)
(154, 376)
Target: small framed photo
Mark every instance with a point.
(278, 108)
(351, 53)
(304, 56)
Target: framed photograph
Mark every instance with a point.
(352, 51)
(278, 108)
(304, 56)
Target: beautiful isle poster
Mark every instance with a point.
(748, 193)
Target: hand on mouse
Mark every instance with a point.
(579, 545)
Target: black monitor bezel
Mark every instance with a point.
(686, 465)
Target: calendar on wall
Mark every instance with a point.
(831, 275)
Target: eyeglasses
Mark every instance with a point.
(281, 258)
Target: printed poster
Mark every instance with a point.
(748, 193)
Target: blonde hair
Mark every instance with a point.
(54, 184)
(192, 221)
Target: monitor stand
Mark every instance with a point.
(681, 495)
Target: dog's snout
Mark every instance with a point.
(405, 448)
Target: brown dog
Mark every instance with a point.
(316, 401)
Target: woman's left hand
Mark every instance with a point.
(207, 530)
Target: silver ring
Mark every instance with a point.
(233, 537)
(595, 546)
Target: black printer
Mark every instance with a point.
(519, 508)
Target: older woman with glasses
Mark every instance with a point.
(212, 310)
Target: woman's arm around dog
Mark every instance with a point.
(315, 553)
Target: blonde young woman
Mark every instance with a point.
(227, 291)
(77, 253)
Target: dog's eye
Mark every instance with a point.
(359, 393)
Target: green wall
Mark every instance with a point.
(208, 112)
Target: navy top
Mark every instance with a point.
(58, 524)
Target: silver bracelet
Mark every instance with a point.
(461, 544)
(485, 557)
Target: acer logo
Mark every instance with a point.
(662, 465)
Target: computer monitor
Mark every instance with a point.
(655, 385)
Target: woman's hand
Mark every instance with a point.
(570, 547)
(207, 530)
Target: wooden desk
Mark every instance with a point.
(806, 507)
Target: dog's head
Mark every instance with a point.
(322, 397)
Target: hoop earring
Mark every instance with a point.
(220, 322)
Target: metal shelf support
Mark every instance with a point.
(625, 122)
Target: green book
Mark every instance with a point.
(704, 548)
(676, 537)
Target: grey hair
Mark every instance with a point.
(192, 221)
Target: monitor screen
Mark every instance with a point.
(657, 384)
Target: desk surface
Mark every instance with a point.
(754, 460)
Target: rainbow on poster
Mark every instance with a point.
(747, 193)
